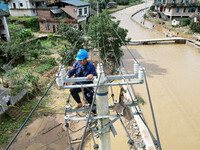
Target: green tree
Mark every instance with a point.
(122, 2)
(15, 49)
(185, 22)
(73, 36)
(195, 27)
(108, 39)
(152, 8)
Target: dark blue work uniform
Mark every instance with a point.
(82, 71)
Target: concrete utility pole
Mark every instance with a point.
(102, 109)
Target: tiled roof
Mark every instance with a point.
(3, 13)
(56, 11)
(75, 2)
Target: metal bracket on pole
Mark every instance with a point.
(69, 110)
(112, 128)
(109, 125)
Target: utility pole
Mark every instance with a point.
(102, 109)
(104, 123)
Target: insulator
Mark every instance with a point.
(141, 74)
(62, 71)
(136, 68)
(59, 81)
(100, 71)
(67, 107)
(99, 68)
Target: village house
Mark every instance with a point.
(170, 9)
(68, 11)
(19, 8)
(4, 33)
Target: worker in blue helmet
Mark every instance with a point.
(82, 68)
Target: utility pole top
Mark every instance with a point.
(105, 125)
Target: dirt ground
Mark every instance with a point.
(48, 132)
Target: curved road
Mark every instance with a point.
(173, 74)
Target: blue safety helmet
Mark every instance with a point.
(82, 54)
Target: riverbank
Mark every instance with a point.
(166, 30)
(172, 73)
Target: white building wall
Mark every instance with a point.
(83, 12)
(18, 13)
(5, 30)
(22, 8)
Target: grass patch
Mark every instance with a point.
(140, 100)
(9, 127)
(46, 44)
(46, 52)
(42, 68)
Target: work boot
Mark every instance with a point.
(78, 105)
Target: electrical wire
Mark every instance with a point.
(87, 123)
(155, 126)
(104, 49)
(94, 97)
(98, 42)
(30, 114)
(122, 41)
(133, 99)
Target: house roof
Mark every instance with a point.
(39, 0)
(157, 3)
(75, 2)
(3, 13)
(56, 11)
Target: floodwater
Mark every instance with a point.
(173, 75)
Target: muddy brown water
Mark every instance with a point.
(173, 74)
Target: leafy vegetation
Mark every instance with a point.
(108, 39)
(28, 22)
(195, 27)
(73, 36)
(122, 2)
(46, 63)
(140, 99)
(127, 2)
(185, 22)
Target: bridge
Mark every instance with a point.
(176, 40)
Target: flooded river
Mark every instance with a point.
(173, 74)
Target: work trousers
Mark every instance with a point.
(87, 93)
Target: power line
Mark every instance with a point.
(87, 123)
(19, 130)
(155, 126)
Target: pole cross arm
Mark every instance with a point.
(105, 84)
(68, 110)
(67, 118)
(109, 77)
